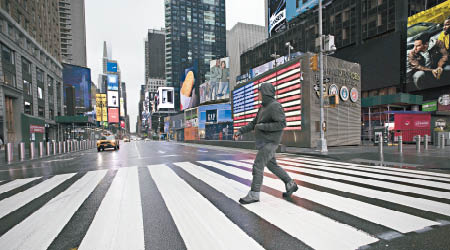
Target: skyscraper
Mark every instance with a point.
(155, 59)
(72, 32)
(195, 34)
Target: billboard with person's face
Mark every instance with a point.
(80, 79)
(217, 88)
(427, 63)
(277, 16)
(189, 96)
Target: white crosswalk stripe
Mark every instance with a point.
(395, 204)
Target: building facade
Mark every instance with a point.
(195, 34)
(73, 32)
(31, 91)
(155, 54)
(241, 37)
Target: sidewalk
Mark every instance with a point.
(431, 159)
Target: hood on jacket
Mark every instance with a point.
(267, 91)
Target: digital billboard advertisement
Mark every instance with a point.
(166, 98)
(122, 107)
(113, 99)
(101, 108)
(288, 93)
(113, 82)
(189, 90)
(80, 79)
(277, 16)
(111, 66)
(427, 44)
(218, 86)
(113, 115)
(297, 7)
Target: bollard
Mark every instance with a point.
(49, 149)
(41, 149)
(380, 148)
(22, 151)
(54, 147)
(418, 143)
(32, 151)
(64, 147)
(425, 142)
(60, 147)
(400, 144)
(9, 151)
(442, 141)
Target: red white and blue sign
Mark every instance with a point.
(287, 82)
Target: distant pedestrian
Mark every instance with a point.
(268, 126)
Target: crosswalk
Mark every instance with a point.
(193, 205)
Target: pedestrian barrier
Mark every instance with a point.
(32, 150)
(49, 149)
(22, 151)
(54, 147)
(41, 149)
(400, 144)
(380, 149)
(425, 142)
(442, 141)
(417, 137)
(60, 146)
(9, 152)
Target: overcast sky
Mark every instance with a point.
(123, 24)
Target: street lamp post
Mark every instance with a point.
(288, 44)
(322, 142)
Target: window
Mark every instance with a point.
(40, 93)
(9, 78)
(28, 108)
(7, 55)
(26, 66)
(27, 88)
(39, 75)
(41, 112)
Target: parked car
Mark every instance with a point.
(126, 139)
(109, 141)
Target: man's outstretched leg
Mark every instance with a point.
(290, 184)
(262, 158)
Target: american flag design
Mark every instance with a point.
(287, 82)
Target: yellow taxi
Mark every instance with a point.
(107, 141)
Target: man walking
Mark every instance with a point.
(268, 126)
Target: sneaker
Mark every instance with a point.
(251, 197)
(291, 187)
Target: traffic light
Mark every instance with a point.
(333, 100)
(314, 63)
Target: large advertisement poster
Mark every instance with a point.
(277, 16)
(297, 7)
(166, 98)
(218, 86)
(101, 108)
(113, 99)
(122, 107)
(111, 66)
(113, 82)
(189, 91)
(428, 65)
(80, 79)
(113, 115)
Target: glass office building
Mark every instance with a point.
(195, 34)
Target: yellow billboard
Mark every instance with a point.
(101, 108)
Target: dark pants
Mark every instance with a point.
(266, 157)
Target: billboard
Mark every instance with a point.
(277, 16)
(295, 8)
(101, 108)
(122, 107)
(288, 93)
(113, 115)
(189, 91)
(111, 66)
(113, 99)
(113, 82)
(80, 79)
(218, 86)
(427, 44)
(166, 98)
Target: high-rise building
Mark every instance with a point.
(241, 37)
(195, 34)
(154, 54)
(72, 32)
(31, 87)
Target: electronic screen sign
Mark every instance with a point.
(288, 93)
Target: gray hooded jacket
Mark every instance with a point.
(270, 119)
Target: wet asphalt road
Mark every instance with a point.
(172, 199)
